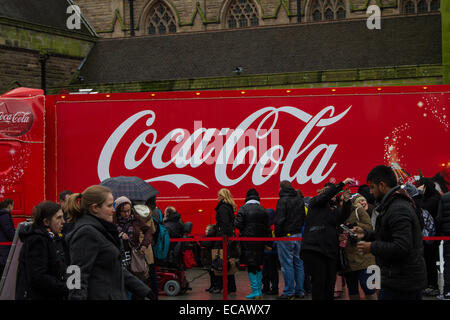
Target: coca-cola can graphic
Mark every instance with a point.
(16, 118)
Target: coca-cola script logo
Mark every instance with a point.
(16, 118)
(205, 147)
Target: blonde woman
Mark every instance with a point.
(225, 213)
(225, 227)
(95, 248)
(358, 263)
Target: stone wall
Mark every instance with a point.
(389, 76)
(22, 67)
(21, 45)
(111, 18)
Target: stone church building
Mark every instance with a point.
(164, 45)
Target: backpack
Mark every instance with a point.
(162, 242)
(429, 229)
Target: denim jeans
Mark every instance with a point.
(291, 266)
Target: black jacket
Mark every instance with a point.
(443, 218)
(6, 234)
(397, 243)
(94, 247)
(290, 213)
(174, 226)
(176, 230)
(41, 272)
(321, 225)
(430, 202)
(252, 220)
(225, 219)
(211, 244)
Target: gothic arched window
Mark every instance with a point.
(421, 6)
(409, 7)
(161, 20)
(341, 13)
(435, 5)
(327, 10)
(242, 13)
(317, 15)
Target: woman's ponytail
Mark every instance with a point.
(73, 207)
(79, 203)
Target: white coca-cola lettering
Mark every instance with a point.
(201, 142)
(17, 117)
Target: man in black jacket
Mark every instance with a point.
(289, 219)
(443, 229)
(397, 241)
(320, 247)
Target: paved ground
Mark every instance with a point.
(199, 281)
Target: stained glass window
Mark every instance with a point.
(161, 20)
(242, 13)
(327, 10)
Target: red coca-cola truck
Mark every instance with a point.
(189, 145)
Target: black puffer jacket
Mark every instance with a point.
(41, 273)
(290, 213)
(430, 202)
(174, 225)
(397, 244)
(225, 219)
(443, 218)
(6, 234)
(252, 220)
(176, 230)
(321, 233)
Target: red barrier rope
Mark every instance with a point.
(192, 239)
(246, 239)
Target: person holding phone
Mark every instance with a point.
(396, 242)
(356, 271)
(320, 246)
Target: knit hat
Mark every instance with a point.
(142, 210)
(122, 200)
(252, 194)
(411, 189)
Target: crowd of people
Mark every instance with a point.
(332, 237)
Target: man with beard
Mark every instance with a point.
(396, 242)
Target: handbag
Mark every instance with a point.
(217, 262)
(139, 266)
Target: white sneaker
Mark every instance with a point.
(444, 297)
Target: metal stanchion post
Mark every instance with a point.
(225, 267)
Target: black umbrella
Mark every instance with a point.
(134, 188)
